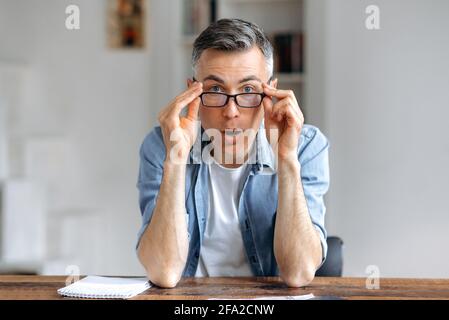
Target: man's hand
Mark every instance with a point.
(180, 132)
(284, 116)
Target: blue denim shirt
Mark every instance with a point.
(258, 204)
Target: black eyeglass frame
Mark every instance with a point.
(234, 96)
(228, 96)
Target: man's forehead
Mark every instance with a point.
(251, 60)
(231, 66)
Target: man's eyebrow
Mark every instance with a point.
(215, 78)
(220, 80)
(249, 78)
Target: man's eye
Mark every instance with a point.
(215, 89)
(248, 89)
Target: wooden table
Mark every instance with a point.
(44, 287)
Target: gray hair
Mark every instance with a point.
(233, 35)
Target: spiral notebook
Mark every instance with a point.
(96, 287)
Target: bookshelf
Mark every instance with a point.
(276, 17)
(290, 78)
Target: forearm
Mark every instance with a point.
(297, 244)
(164, 245)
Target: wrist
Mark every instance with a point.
(290, 158)
(176, 156)
(289, 164)
(172, 169)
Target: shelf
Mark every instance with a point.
(290, 77)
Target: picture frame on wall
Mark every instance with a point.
(126, 24)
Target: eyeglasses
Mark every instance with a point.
(243, 100)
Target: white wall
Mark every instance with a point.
(102, 102)
(386, 108)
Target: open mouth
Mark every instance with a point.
(233, 132)
(231, 135)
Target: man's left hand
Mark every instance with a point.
(286, 117)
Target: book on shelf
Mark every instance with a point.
(288, 52)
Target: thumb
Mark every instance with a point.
(271, 127)
(268, 108)
(192, 109)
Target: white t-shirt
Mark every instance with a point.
(222, 250)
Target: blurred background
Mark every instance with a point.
(75, 105)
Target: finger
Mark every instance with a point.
(291, 102)
(185, 98)
(284, 110)
(267, 106)
(271, 91)
(277, 107)
(190, 94)
(193, 107)
(268, 109)
(192, 87)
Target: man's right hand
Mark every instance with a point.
(180, 132)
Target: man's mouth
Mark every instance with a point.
(231, 135)
(233, 132)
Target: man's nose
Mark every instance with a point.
(231, 110)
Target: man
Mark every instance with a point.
(246, 204)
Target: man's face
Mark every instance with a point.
(232, 73)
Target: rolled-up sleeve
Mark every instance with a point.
(152, 155)
(314, 160)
